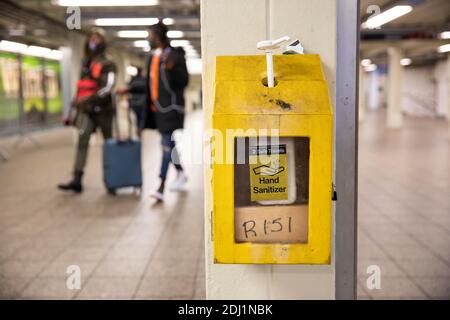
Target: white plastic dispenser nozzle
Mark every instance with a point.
(268, 46)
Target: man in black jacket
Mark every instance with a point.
(166, 80)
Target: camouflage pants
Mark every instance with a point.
(87, 124)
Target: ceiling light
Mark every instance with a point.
(16, 32)
(175, 34)
(192, 55)
(168, 21)
(55, 55)
(132, 71)
(179, 43)
(194, 65)
(126, 21)
(444, 48)
(386, 16)
(132, 34)
(445, 35)
(11, 46)
(141, 43)
(104, 3)
(405, 61)
(370, 68)
(366, 62)
(35, 51)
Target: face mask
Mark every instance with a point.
(152, 44)
(92, 46)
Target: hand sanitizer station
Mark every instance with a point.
(271, 228)
(277, 208)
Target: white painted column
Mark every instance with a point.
(313, 22)
(70, 66)
(362, 94)
(70, 70)
(394, 112)
(448, 92)
(373, 91)
(66, 79)
(76, 43)
(122, 61)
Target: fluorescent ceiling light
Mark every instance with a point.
(141, 44)
(16, 32)
(366, 62)
(405, 61)
(191, 52)
(104, 3)
(55, 55)
(194, 65)
(179, 43)
(386, 16)
(370, 68)
(445, 35)
(11, 46)
(132, 34)
(132, 71)
(192, 55)
(126, 21)
(444, 48)
(168, 21)
(35, 51)
(175, 34)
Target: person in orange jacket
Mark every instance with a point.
(166, 80)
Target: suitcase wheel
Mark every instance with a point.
(111, 191)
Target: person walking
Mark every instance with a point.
(93, 102)
(166, 80)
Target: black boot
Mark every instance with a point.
(75, 184)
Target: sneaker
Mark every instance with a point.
(179, 182)
(157, 195)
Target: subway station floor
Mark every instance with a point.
(128, 248)
(124, 245)
(404, 212)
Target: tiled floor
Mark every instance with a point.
(127, 248)
(404, 212)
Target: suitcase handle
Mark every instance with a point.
(116, 120)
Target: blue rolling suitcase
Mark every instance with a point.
(122, 162)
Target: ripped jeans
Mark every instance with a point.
(169, 149)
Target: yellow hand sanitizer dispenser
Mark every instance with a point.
(271, 161)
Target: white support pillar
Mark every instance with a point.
(394, 112)
(448, 92)
(313, 22)
(373, 91)
(70, 67)
(362, 94)
(76, 43)
(122, 61)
